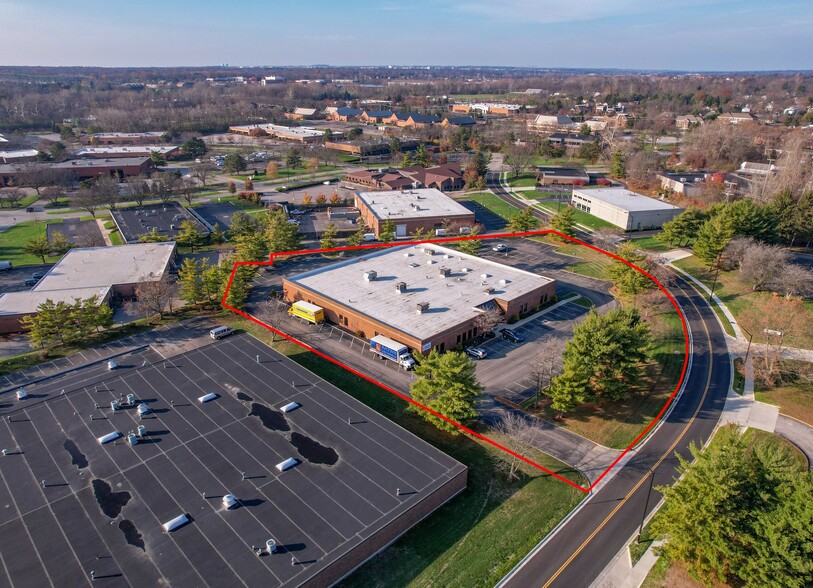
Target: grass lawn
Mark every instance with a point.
(494, 204)
(582, 301)
(593, 264)
(617, 424)
(522, 180)
(242, 203)
(651, 244)
(737, 295)
(15, 238)
(116, 238)
(284, 172)
(481, 534)
(582, 218)
(793, 399)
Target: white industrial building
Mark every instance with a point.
(623, 208)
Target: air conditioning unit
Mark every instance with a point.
(400, 287)
(370, 275)
(421, 307)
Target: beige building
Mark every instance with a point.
(428, 209)
(623, 208)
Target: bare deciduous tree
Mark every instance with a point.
(548, 362)
(138, 189)
(488, 320)
(518, 433)
(156, 297)
(762, 264)
(794, 280)
(12, 196)
(202, 172)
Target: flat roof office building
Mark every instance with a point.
(625, 209)
(409, 210)
(424, 296)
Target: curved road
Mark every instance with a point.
(580, 550)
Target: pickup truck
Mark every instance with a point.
(386, 348)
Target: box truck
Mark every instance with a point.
(386, 348)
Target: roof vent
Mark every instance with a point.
(400, 287)
(489, 290)
(407, 254)
(445, 271)
(370, 275)
(428, 250)
(430, 261)
(485, 276)
(421, 307)
(504, 282)
(466, 270)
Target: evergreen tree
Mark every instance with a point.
(480, 161)
(748, 219)
(421, 156)
(683, 228)
(234, 163)
(189, 235)
(238, 292)
(153, 237)
(406, 160)
(214, 278)
(568, 390)
(251, 247)
(280, 234)
(103, 318)
(194, 147)
(190, 278)
(157, 159)
(293, 159)
(328, 240)
(387, 231)
(446, 383)
(523, 221)
(712, 239)
(357, 238)
(217, 236)
(243, 224)
(564, 221)
(617, 166)
(628, 280)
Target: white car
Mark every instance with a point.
(499, 248)
(476, 352)
(293, 221)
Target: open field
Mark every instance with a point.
(651, 244)
(738, 296)
(593, 264)
(494, 204)
(794, 399)
(524, 180)
(481, 534)
(14, 239)
(582, 218)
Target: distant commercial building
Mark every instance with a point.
(147, 138)
(442, 177)
(19, 156)
(110, 273)
(424, 296)
(572, 141)
(342, 113)
(301, 114)
(412, 119)
(297, 134)
(80, 169)
(738, 118)
(623, 208)
(691, 185)
(458, 121)
(544, 123)
(367, 148)
(168, 151)
(428, 209)
(549, 176)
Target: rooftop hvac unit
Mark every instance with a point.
(290, 406)
(466, 270)
(175, 523)
(428, 250)
(407, 254)
(489, 290)
(445, 271)
(109, 437)
(485, 276)
(430, 261)
(229, 501)
(421, 307)
(370, 275)
(504, 282)
(400, 287)
(286, 465)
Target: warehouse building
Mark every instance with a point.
(148, 138)
(428, 209)
(424, 296)
(168, 151)
(109, 273)
(625, 209)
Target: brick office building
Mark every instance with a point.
(424, 296)
(428, 209)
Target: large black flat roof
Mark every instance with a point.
(316, 512)
(136, 221)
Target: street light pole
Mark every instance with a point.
(716, 273)
(747, 349)
(646, 504)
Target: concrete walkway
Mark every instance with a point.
(620, 573)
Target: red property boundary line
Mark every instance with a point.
(426, 408)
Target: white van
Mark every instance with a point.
(6, 266)
(220, 332)
(369, 237)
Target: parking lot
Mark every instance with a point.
(214, 212)
(490, 221)
(165, 218)
(80, 233)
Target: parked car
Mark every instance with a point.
(31, 282)
(499, 248)
(296, 212)
(37, 275)
(512, 336)
(293, 221)
(476, 352)
(29, 209)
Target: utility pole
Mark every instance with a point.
(646, 504)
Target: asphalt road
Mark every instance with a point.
(581, 549)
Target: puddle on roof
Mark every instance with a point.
(110, 502)
(313, 451)
(77, 457)
(271, 419)
(131, 534)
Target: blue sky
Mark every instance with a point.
(641, 34)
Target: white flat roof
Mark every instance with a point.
(145, 134)
(452, 300)
(18, 153)
(403, 204)
(625, 199)
(102, 267)
(27, 302)
(281, 130)
(126, 149)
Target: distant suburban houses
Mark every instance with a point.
(442, 177)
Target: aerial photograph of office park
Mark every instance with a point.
(440, 294)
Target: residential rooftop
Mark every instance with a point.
(419, 203)
(625, 199)
(452, 299)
